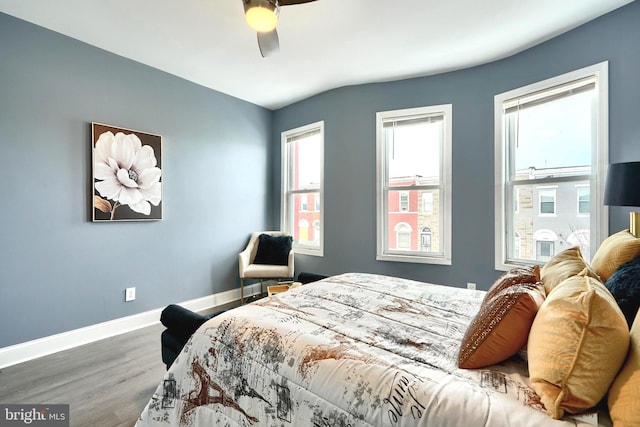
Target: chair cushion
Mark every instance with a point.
(273, 250)
(263, 271)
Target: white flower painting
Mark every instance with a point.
(126, 174)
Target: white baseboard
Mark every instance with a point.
(30, 350)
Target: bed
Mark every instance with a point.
(348, 351)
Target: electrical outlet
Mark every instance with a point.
(471, 286)
(129, 294)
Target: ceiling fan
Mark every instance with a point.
(262, 16)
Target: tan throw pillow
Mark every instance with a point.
(615, 251)
(577, 344)
(562, 266)
(624, 394)
(501, 327)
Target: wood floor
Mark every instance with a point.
(106, 383)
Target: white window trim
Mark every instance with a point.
(381, 254)
(284, 225)
(600, 217)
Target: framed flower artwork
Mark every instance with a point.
(127, 174)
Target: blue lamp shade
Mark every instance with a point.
(622, 186)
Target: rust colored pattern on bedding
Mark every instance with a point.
(348, 351)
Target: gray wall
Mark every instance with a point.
(349, 115)
(221, 167)
(58, 270)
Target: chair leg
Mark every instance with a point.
(241, 290)
(261, 281)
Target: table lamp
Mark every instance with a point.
(622, 188)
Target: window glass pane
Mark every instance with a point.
(584, 200)
(307, 230)
(404, 238)
(408, 223)
(551, 138)
(545, 251)
(302, 192)
(547, 201)
(427, 202)
(305, 154)
(413, 148)
(564, 228)
(404, 201)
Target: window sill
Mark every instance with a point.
(414, 259)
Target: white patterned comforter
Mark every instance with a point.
(349, 351)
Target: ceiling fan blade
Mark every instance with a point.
(268, 43)
(291, 2)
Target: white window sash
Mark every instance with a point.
(504, 187)
(396, 118)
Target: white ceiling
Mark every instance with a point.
(323, 45)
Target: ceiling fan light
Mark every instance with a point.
(261, 18)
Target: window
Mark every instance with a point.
(404, 201)
(427, 202)
(414, 166)
(544, 251)
(547, 204)
(550, 139)
(303, 230)
(302, 181)
(584, 204)
(403, 236)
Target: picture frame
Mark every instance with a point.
(126, 179)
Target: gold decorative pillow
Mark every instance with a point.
(577, 344)
(624, 394)
(501, 327)
(615, 251)
(562, 266)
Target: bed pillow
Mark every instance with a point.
(624, 404)
(624, 285)
(577, 344)
(501, 326)
(615, 251)
(562, 266)
(273, 250)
